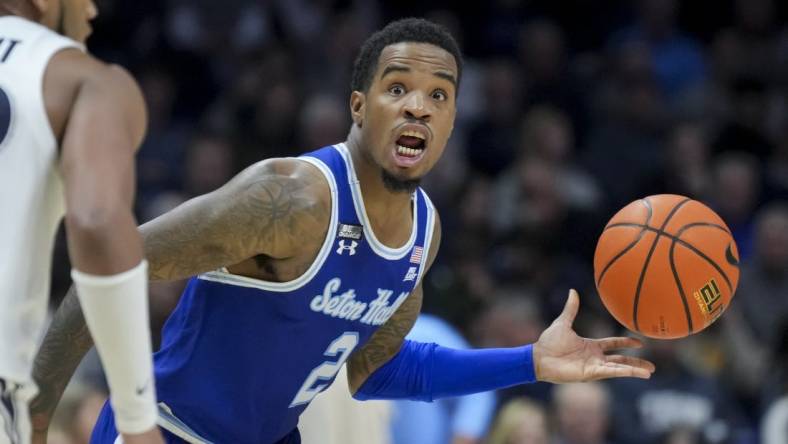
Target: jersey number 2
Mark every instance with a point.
(341, 346)
(5, 115)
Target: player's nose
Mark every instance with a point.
(92, 11)
(415, 107)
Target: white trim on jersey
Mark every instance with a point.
(427, 236)
(171, 423)
(225, 277)
(358, 201)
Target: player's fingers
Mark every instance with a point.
(616, 343)
(617, 370)
(570, 308)
(631, 361)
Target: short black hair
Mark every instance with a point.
(415, 30)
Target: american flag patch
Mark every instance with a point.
(415, 257)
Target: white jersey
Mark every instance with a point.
(32, 198)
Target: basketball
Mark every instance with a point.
(666, 266)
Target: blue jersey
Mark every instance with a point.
(241, 358)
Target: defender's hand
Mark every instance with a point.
(39, 437)
(560, 355)
(152, 436)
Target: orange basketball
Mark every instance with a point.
(666, 266)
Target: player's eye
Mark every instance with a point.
(439, 95)
(397, 90)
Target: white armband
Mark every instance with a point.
(116, 311)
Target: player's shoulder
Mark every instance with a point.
(294, 169)
(293, 176)
(72, 74)
(74, 65)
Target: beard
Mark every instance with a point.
(397, 185)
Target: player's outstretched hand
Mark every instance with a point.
(560, 355)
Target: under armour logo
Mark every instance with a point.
(410, 275)
(345, 245)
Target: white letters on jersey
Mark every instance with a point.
(345, 306)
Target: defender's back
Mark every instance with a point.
(31, 190)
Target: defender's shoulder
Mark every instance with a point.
(72, 74)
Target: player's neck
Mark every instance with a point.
(21, 9)
(382, 204)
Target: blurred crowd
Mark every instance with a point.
(568, 110)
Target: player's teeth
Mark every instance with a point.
(405, 151)
(414, 134)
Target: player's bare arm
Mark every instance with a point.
(274, 213)
(268, 222)
(386, 342)
(98, 116)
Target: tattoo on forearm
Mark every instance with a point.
(385, 342)
(271, 214)
(65, 344)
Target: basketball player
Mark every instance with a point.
(304, 264)
(69, 127)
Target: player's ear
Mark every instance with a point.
(357, 103)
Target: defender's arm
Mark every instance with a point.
(105, 124)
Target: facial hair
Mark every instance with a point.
(397, 185)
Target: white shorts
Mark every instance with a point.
(15, 399)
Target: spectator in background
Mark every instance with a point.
(520, 421)
(777, 169)
(161, 155)
(774, 426)
(745, 130)
(676, 57)
(513, 316)
(630, 116)
(687, 164)
(749, 45)
(764, 280)
(462, 420)
(335, 417)
(675, 396)
(546, 135)
(493, 138)
(323, 121)
(210, 163)
(735, 196)
(755, 325)
(547, 80)
(582, 413)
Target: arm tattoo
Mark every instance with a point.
(66, 343)
(385, 342)
(272, 212)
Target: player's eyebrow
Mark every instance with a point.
(394, 68)
(446, 76)
(401, 68)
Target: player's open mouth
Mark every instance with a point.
(410, 147)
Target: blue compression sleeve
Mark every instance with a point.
(424, 372)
